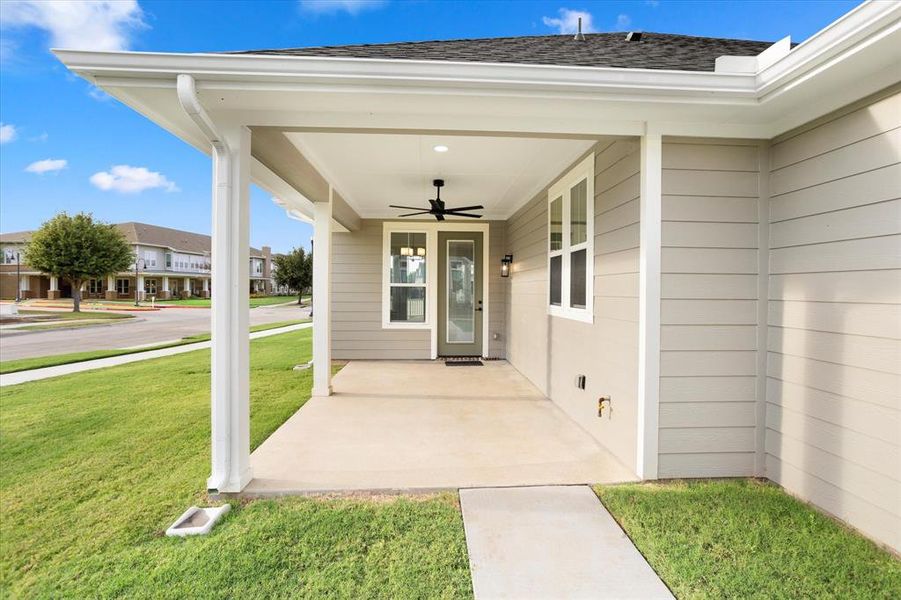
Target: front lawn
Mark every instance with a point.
(96, 465)
(255, 301)
(748, 539)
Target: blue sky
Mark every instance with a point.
(63, 146)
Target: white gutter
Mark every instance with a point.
(187, 97)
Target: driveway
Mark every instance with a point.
(417, 425)
(149, 327)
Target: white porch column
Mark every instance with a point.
(139, 286)
(187, 283)
(165, 283)
(206, 286)
(322, 258)
(230, 313)
(54, 283)
(111, 282)
(649, 304)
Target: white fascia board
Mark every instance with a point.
(866, 24)
(248, 70)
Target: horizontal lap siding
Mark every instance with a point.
(834, 343)
(552, 351)
(709, 316)
(357, 331)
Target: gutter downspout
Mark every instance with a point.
(187, 97)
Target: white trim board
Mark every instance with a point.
(431, 230)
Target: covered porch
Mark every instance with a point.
(421, 425)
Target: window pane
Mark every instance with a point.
(461, 291)
(556, 224)
(578, 213)
(408, 258)
(577, 279)
(556, 280)
(408, 304)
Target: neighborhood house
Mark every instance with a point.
(689, 245)
(171, 264)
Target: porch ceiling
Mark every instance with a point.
(373, 170)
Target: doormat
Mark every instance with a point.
(463, 361)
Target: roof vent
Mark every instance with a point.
(579, 36)
(633, 36)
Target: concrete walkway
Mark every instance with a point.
(112, 361)
(550, 542)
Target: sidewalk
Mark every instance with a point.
(551, 542)
(112, 361)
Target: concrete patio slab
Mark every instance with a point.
(551, 542)
(419, 425)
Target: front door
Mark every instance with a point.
(459, 294)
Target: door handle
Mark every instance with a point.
(479, 307)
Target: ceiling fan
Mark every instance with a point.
(437, 207)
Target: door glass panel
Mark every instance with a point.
(578, 213)
(556, 224)
(460, 291)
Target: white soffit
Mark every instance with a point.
(373, 170)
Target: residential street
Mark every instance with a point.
(150, 327)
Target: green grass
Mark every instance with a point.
(748, 539)
(255, 301)
(39, 362)
(97, 465)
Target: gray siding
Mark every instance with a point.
(709, 308)
(552, 351)
(357, 331)
(834, 356)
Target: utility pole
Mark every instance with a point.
(138, 261)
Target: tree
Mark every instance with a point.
(294, 271)
(78, 248)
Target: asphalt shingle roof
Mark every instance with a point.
(653, 51)
(148, 235)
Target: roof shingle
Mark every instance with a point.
(653, 51)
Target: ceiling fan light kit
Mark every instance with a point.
(437, 208)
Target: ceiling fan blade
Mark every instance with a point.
(413, 214)
(408, 207)
(465, 215)
(464, 208)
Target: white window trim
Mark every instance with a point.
(387, 323)
(561, 189)
(431, 230)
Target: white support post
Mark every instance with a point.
(322, 337)
(165, 283)
(187, 285)
(230, 313)
(206, 285)
(54, 283)
(139, 286)
(649, 304)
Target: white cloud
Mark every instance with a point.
(7, 133)
(48, 165)
(330, 7)
(131, 180)
(623, 22)
(78, 24)
(39, 138)
(653, 3)
(568, 22)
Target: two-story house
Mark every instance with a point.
(170, 264)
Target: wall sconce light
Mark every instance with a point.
(420, 252)
(505, 265)
(406, 251)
